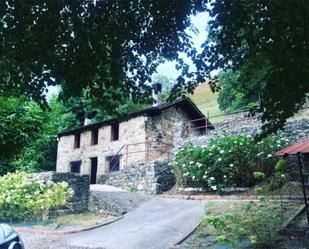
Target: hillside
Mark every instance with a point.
(206, 100)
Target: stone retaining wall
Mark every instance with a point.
(80, 185)
(293, 130)
(151, 177)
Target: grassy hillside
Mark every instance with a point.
(206, 100)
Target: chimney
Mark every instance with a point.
(157, 89)
(87, 119)
(89, 116)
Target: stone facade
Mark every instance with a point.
(151, 177)
(141, 138)
(80, 185)
(130, 132)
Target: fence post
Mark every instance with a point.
(146, 150)
(189, 129)
(127, 154)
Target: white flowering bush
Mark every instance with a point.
(24, 197)
(227, 161)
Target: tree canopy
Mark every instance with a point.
(112, 49)
(109, 47)
(268, 43)
(236, 94)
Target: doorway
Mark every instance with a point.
(94, 168)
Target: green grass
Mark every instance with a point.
(207, 102)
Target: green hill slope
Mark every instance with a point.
(206, 100)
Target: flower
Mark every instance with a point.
(193, 178)
(191, 162)
(221, 151)
(269, 155)
(211, 178)
(231, 165)
(205, 176)
(213, 187)
(224, 176)
(219, 159)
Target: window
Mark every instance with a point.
(94, 169)
(115, 132)
(113, 163)
(75, 166)
(94, 136)
(77, 141)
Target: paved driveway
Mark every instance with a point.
(156, 224)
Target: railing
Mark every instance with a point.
(198, 126)
(202, 126)
(160, 148)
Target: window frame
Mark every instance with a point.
(77, 139)
(75, 163)
(115, 131)
(94, 136)
(111, 168)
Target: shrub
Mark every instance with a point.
(227, 161)
(257, 222)
(24, 197)
(251, 222)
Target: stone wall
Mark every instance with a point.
(293, 130)
(115, 203)
(131, 131)
(140, 138)
(80, 185)
(151, 177)
(162, 130)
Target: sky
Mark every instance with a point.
(199, 21)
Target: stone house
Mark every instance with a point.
(113, 145)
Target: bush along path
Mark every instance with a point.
(23, 197)
(228, 161)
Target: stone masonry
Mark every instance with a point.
(141, 138)
(152, 177)
(80, 185)
(293, 130)
(130, 132)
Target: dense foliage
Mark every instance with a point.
(20, 123)
(268, 43)
(109, 47)
(235, 94)
(227, 161)
(112, 48)
(23, 197)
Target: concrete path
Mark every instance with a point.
(156, 224)
(105, 188)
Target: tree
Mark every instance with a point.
(20, 123)
(268, 43)
(236, 94)
(109, 47)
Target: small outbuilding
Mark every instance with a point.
(301, 150)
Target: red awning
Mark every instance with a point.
(300, 147)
